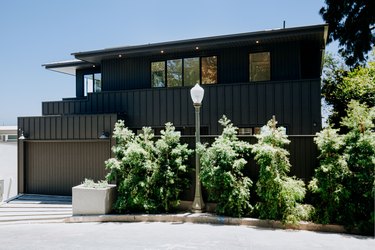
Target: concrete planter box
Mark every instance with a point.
(93, 200)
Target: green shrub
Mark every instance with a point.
(170, 175)
(327, 183)
(278, 194)
(221, 172)
(348, 161)
(149, 175)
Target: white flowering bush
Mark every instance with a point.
(149, 175)
(222, 166)
(279, 195)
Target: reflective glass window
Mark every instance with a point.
(92, 83)
(174, 73)
(191, 71)
(158, 74)
(97, 82)
(260, 66)
(209, 70)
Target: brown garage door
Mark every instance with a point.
(55, 167)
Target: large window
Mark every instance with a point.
(209, 70)
(260, 66)
(158, 74)
(92, 83)
(174, 73)
(191, 71)
(184, 72)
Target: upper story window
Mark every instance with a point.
(209, 70)
(260, 69)
(184, 72)
(92, 83)
(191, 71)
(158, 74)
(174, 73)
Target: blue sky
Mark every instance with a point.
(41, 31)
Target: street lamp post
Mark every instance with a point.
(197, 93)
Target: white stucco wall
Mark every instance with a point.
(8, 168)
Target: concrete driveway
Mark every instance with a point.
(27, 209)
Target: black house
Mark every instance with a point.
(248, 77)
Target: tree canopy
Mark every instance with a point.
(341, 85)
(351, 22)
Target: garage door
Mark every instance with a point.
(55, 167)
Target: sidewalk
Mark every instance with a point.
(44, 208)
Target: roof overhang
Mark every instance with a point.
(317, 33)
(68, 67)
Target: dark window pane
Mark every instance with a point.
(191, 71)
(97, 82)
(174, 73)
(209, 70)
(158, 74)
(260, 66)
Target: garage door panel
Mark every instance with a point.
(55, 167)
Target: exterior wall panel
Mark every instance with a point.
(74, 127)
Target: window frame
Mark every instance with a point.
(86, 88)
(183, 70)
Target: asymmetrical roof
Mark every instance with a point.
(317, 33)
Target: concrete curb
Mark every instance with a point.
(205, 218)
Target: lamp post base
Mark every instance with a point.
(198, 205)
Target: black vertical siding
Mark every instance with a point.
(73, 127)
(296, 105)
(285, 62)
(129, 73)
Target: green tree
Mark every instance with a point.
(340, 85)
(360, 156)
(222, 174)
(278, 193)
(344, 183)
(351, 22)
